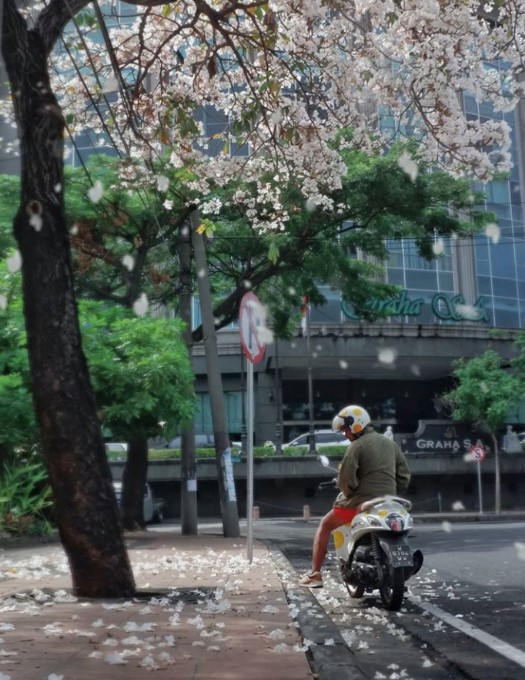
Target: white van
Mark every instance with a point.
(153, 507)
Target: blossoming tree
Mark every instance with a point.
(282, 77)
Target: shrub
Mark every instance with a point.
(24, 495)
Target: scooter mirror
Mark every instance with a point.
(324, 461)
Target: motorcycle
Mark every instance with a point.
(374, 552)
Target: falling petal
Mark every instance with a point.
(343, 364)
(96, 192)
(468, 312)
(163, 183)
(520, 547)
(458, 505)
(311, 204)
(446, 526)
(438, 247)
(140, 306)
(492, 231)
(408, 165)
(265, 335)
(36, 221)
(387, 355)
(415, 369)
(129, 262)
(14, 262)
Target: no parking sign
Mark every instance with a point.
(476, 454)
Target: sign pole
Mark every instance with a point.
(252, 324)
(249, 462)
(480, 493)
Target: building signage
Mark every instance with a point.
(442, 437)
(446, 307)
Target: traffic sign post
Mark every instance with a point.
(477, 454)
(252, 326)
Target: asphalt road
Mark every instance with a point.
(464, 615)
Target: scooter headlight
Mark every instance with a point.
(395, 522)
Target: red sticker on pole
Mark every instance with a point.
(252, 326)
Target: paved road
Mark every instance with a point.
(464, 616)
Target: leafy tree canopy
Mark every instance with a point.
(139, 366)
(127, 242)
(140, 370)
(484, 392)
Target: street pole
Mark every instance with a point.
(249, 461)
(311, 438)
(243, 406)
(278, 405)
(480, 492)
(188, 471)
(252, 324)
(227, 495)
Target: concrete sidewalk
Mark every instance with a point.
(202, 612)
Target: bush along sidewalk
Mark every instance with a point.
(258, 452)
(25, 495)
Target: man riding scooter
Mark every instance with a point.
(373, 466)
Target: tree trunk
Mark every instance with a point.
(188, 464)
(74, 451)
(134, 484)
(497, 476)
(227, 492)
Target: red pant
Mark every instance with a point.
(346, 514)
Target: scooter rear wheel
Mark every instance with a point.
(393, 592)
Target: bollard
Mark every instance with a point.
(306, 512)
(255, 512)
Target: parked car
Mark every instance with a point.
(117, 447)
(322, 438)
(153, 507)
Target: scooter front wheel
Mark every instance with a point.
(392, 593)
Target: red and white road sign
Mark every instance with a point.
(476, 453)
(252, 325)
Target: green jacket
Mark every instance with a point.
(372, 466)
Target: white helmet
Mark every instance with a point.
(354, 417)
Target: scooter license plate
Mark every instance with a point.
(401, 556)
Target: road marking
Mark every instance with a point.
(503, 648)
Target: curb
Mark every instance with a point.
(326, 661)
